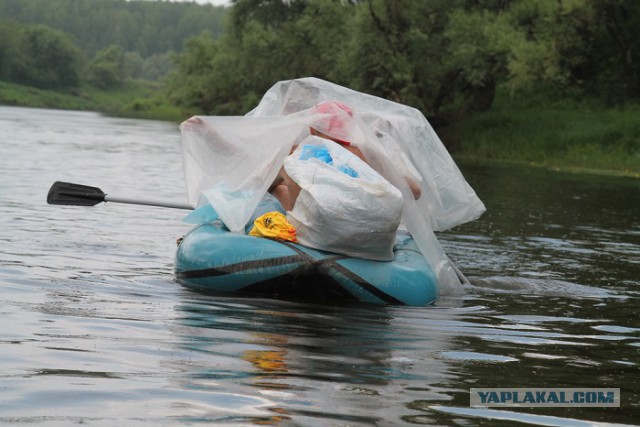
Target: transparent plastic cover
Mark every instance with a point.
(232, 161)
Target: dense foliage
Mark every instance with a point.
(48, 43)
(144, 27)
(445, 57)
(38, 56)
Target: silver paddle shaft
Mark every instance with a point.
(161, 204)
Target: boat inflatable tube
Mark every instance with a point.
(212, 259)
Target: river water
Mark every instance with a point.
(95, 330)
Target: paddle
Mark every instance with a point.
(66, 193)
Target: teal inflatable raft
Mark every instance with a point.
(214, 260)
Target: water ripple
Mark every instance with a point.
(96, 331)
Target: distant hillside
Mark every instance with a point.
(144, 27)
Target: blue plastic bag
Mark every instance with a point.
(316, 152)
(322, 153)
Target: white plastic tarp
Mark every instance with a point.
(401, 132)
(231, 161)
(344, 205)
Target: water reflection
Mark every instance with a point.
(546, 230)
(96, 331)
(294, 354)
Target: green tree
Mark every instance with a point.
(398, 51)
(46, 58)
(143, 26)
(229, 75)
(190, 84)
(155, 67)
(267, 13)
(9, 48)
(108, 68)
(612, 64)
(133, 65)
(570, 45)
(444, 57)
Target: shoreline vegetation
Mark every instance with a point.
(133, 99)
(536, 130)
(543, 83)
(540, 129)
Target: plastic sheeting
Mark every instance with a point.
(400, 132)
(344, 206)
(232, 161)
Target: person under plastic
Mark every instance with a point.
(333, 124)
(347, 206)
(230, 163)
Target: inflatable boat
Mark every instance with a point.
(213, 260)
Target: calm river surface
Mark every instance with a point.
(95, 331)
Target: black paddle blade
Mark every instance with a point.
(66, 193)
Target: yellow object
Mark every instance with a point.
(273, 225)
(267, 360)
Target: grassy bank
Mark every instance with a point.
(562, 134)
(536, 128)
(135, 99)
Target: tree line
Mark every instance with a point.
(55, 44)
(444, 57)
(145, 27)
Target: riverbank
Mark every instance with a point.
(534, 129)
(563, 134)
(134, 99)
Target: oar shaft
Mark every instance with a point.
(162, 204)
